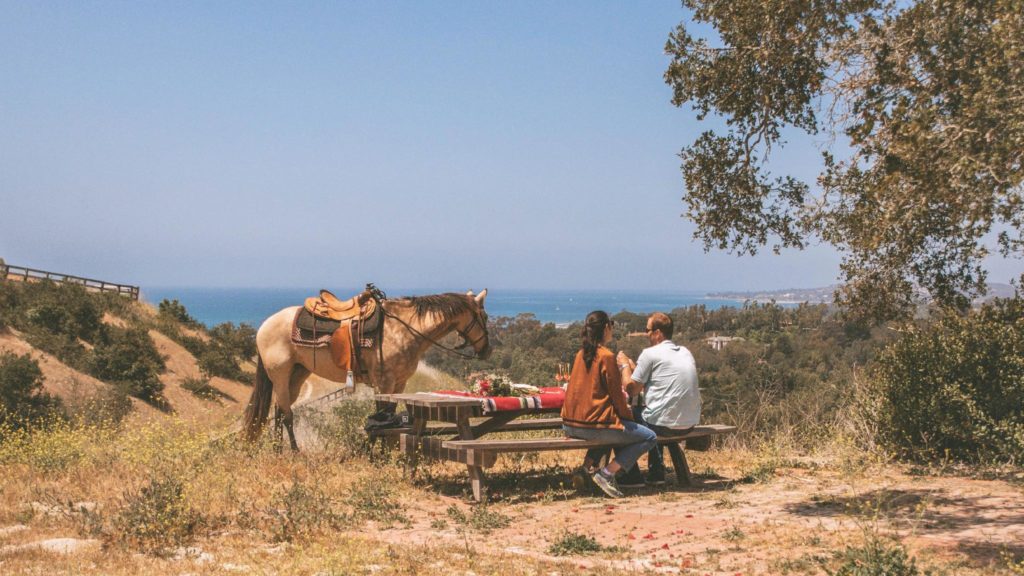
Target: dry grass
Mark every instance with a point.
(224, 507)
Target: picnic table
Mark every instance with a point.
(450, 427)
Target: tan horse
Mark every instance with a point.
(411, 326)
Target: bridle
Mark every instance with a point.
(476, 321)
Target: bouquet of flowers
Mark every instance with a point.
(494, 384)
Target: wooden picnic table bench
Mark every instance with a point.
(466, 419)
(435, 428)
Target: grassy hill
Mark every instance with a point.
(97, 352)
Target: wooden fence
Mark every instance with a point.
(22, 274)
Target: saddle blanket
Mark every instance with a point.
(547, 398)
(312, 332)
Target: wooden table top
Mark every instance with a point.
(430, 399)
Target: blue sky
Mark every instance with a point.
(442, 144)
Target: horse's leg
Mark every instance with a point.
(295, 382)
(278, 425)
(289, 418)
(281, 377)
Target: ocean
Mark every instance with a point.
(213, 306)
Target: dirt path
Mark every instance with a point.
(791, 522)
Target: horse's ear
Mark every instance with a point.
(469, 292)
(480, 297)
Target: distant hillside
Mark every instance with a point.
(99, 351)
(824, 294)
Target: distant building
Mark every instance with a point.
(719, 342)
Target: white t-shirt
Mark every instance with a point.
(669, 375)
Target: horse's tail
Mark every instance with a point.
(259, 402)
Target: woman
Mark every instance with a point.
(595, 405)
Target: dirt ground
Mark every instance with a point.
(788, 520)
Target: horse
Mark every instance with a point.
(411, 326)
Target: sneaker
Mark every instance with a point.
(631, 479)
(606, 484)
(581, 479)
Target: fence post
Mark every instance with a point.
(3, 269)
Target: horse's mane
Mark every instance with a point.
(447, 306)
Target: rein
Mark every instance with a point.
(454, 351)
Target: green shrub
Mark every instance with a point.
(195, 346)
(956, 388)
(342, 432)
(108, 405)
(129, 358)
(481, 518)
(156, 518)
(22, 399)
(876, 558)
(176, 311)
(239, 341)
(65, 347)
(66, 309)
(216, 360)
(374, 498)
(227, 346)
(571, 543)
(201, 388)
(301, 511)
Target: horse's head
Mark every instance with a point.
(473, 328)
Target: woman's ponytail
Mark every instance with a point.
(592, 335)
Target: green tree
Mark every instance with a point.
(176, 311)
(956, 387)
(927, 95)
(22, 398)
(127, 357)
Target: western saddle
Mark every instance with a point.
(342, 325)
(329, 307)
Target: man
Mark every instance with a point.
(666, 374)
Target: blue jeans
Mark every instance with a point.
(655, 458)
(635, 439)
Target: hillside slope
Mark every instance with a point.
(74, 387)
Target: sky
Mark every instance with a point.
(525, 145)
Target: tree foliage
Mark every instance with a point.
(790, 371)
(22, 398)
(176, 311)
(129, 358)
(956, 387)
(929, 97)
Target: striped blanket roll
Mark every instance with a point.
(548, 398)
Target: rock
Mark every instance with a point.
(7, 530)
(83, 507)
(54, 510)
(67, 545)
(55, 545)
(193, 553)
(46, 509)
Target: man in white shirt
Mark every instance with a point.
(667, 375)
